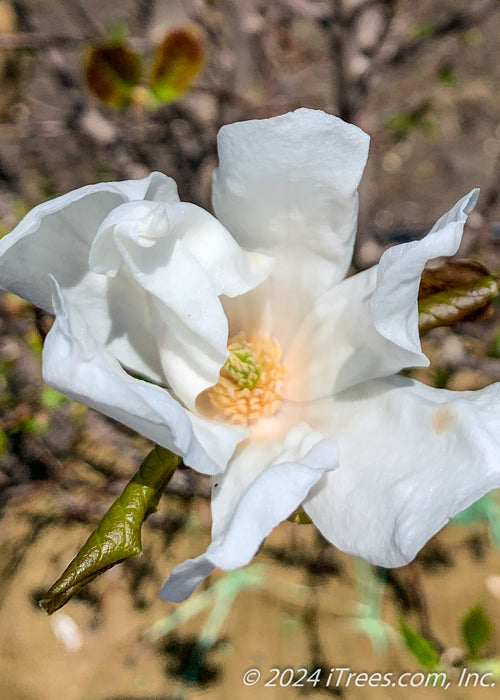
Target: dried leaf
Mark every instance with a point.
(111, 72)
(177, 63)
(453, 292)
(118, 535)
(450, 274)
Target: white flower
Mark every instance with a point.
(306, 406)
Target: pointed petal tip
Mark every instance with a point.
(185, 579)
(470, 200)
(172, 594)
(58, 302)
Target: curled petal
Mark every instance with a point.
(55, 238)
(411, 457)
(287, 186)
(232, 270)
(367, 326)
(182, 259)
(398, 276)
(78, 366)
(264, 484)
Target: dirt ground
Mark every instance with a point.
(422, 79)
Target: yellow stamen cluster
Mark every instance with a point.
(251, 383)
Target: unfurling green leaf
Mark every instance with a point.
(112, 72)
(118, 535)
(422, 649)
(476, 629)
(177, 63)
(455, 291)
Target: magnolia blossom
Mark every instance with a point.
(262, 366)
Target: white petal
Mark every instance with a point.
(183, 259)
(55, 238)
(135, 224)
(219, 440)
(251, 311)
(286, 186)
(157, 187)
(290, 180)
(367, 326)
(75, 364)
(263, 485)
(120, 317)
(399, 271)
(232, 270)
(411, 457)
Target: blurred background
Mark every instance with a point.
(93, 91)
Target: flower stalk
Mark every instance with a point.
(118, 535)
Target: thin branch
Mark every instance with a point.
(39, 40)
(362, 7)
(87, 17)
(339, 33)
(412, 578)
(305, 8)
(457, 22)
(396, 51)
(145, 12)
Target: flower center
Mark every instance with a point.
(251, 382)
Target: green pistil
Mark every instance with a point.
(242, 368)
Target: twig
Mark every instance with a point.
(339, 34)
(305, 8)
(412, 582)
(362, 7)
(458, 21)
(39, 40)
(145, 12)
(87, 18)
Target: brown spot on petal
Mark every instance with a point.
(443, 418)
